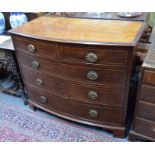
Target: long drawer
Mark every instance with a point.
(146, 110)
(35, 47)
(79, 73)
(111, 96)
(149, 77)
(145, 127)
(147, 93)
(97, 56)
(99, 114)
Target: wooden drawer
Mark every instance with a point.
(76, 91)
(97, 56)
(149, 77)
(145, 127)
(146, 110)
(77, 110)
(147, 93)
(79, 73)
(35, 47)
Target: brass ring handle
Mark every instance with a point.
(31, 48)
(93, 113)
(92, 75)
(91, 57)
(92, 95)
(43, 99)
(39, 82)
(35, 64)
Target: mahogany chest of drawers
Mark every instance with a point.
(79, 69)
(144, 119)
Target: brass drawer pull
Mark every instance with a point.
(39, 82)
(92, 75)
(31, 48)
(91, 57)
(92, 95)
(93, 113)
(43, 99)
(35, 64)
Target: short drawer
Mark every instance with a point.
(146, 110)
(98, 56)
(35, 47)
(75, 90)
(147, 93)
(78, 73)
(77, 110)
(149, 77)
(145, 127)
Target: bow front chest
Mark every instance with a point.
(79, 69)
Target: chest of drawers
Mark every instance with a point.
(144, 119)
(79, 69)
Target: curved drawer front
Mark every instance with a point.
(76, 91)
(35, 47)
(79, 73)
(98, 114)
(98, 56)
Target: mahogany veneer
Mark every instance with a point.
(79, 69)
(144, 117)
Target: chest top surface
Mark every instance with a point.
(150, 60)
(83, 31)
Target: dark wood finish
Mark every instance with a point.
(147, 93)
(78, 73)
(136, 137)
(60, 78)
(7, 21)
(144, 117)
(43, 49)
(145, 127)
(105, 56)
(74, 109)
(33, 15)
(146, 110)
(149, 77)
(76, 91)
(119, 133)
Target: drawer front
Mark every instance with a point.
(147, 93)
(145, 127)
(81, 111)
(79, 73)
(39, 48)
(100, 56)
(149, 77)
(146, 110)
(76, 91)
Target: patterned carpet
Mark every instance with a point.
(19, 125)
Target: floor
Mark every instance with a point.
(19, 102)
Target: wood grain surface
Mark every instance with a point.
(82, 30)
